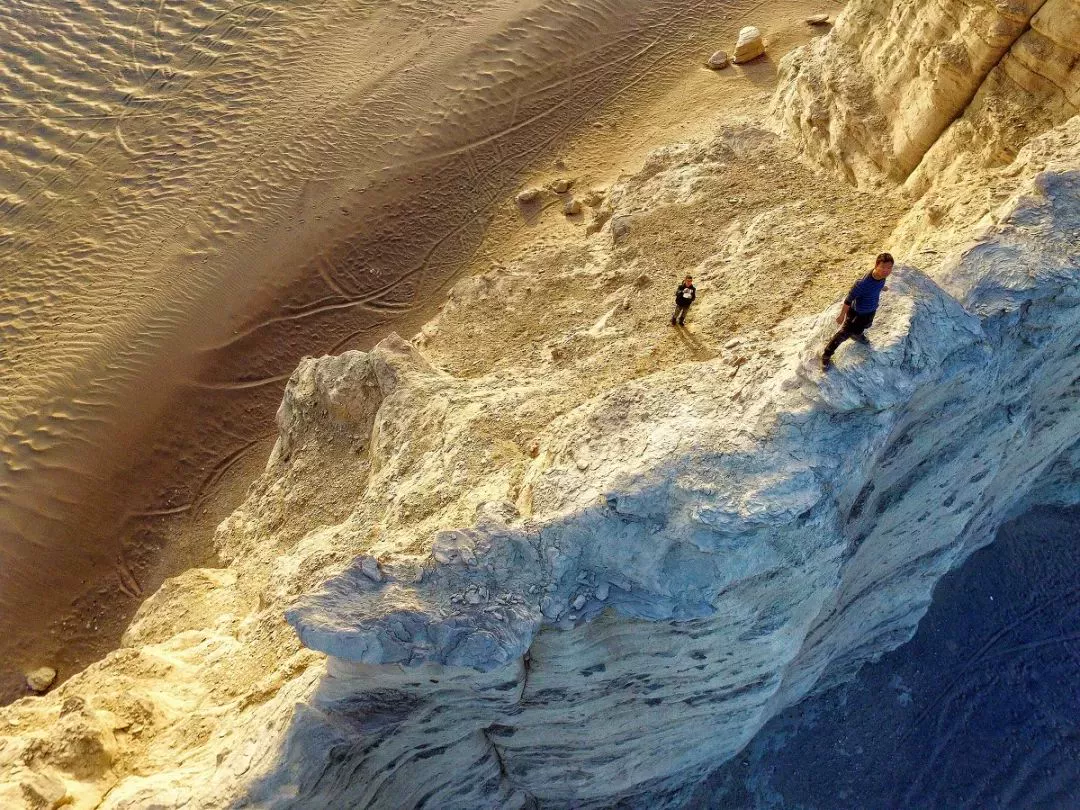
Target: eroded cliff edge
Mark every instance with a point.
(553, 566)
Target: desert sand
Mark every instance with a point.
(196, 195)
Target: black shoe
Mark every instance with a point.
(826, 363)
(672, 321)
(682, 323)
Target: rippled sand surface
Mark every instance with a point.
(196, 193)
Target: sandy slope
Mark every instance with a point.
(196, 194)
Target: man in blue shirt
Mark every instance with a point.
(859, 307)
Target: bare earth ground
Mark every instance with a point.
(195, 196)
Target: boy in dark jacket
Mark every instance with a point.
(685, 294)
(859, 307)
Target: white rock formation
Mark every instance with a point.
(582, 574)
(748, 46)
(876, 94)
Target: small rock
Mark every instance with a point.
(534, 449)
(572, 208)
(579, 603)
(562, 185)
(620, 229)
(528, 196)
(642, 281)
(718, 61)
(602, 591)
(550, 607)
(749, 45)
(44, 792)
(473, 597)
(817, 19)
(41, 678)
(369, 566)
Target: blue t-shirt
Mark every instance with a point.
(865, 293)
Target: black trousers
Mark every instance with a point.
(680, 313)
(853, 327)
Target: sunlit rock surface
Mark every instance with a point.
(876, 95)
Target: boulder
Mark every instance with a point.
(572, 208)
(749, 45)
(817, 19)
(620, 229)
(562, 185)
(718, 61)
(41, 678)
(44, 792)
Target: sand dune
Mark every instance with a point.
(197, 194)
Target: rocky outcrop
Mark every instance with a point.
(878, 92)
(676, 594)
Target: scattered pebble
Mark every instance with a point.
(580, 601)
(718, 61)
(529, 195)
(602, 591)
(369, 566)
(41, 678)
(572, 208)
(561, 186)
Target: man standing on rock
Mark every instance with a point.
(859, 307)
(685, 294)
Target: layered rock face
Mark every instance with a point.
(634, 618)
(876, 95)
(549, 567)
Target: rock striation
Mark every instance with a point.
(552, 569)
(873, 96)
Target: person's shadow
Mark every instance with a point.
(699, 349)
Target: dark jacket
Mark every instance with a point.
(865, 293)
(681, 297)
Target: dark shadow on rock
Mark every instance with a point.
(980, 709)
